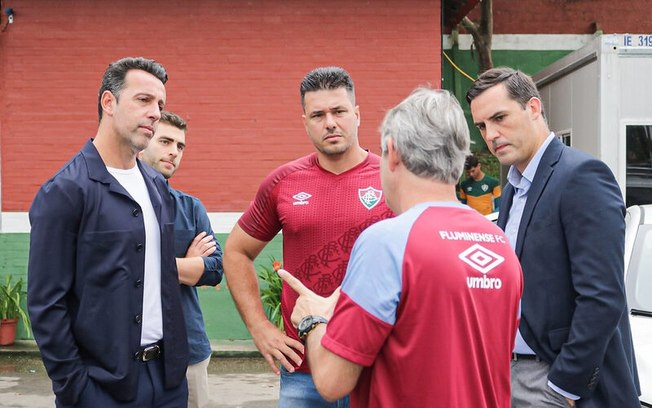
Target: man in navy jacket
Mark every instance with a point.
(564, 215)
(103, 291)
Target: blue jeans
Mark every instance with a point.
(298, 391)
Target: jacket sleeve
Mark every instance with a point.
(592, 214)
(213, 269)
(54, 218)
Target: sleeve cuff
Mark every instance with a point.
(562, 392)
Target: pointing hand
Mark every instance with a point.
(308, 302)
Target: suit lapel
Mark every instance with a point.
(97, 170)
(505, 204)
(544, 171)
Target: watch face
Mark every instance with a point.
(305, 323)
(308, 323)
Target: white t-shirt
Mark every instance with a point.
(152, 319)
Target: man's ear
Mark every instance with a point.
(536, 107)
(304, 121)
(107, 102)
(393, 155)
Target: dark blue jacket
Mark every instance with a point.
(573, 312)
(191, 219)
(85, 279)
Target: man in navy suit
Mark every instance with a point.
(564, 215)
(103, 289)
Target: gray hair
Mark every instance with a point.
(325, 79)
(430, 134)
(114, 76)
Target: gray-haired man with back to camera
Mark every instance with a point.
(429, 304)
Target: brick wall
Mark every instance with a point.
(234, 69)
(570, 16)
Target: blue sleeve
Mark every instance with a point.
(213, 269)
(595, 242)
(373, 278)
(54, 217)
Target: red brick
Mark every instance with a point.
(570, 16)
(234, 70)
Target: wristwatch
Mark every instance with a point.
(308, 323)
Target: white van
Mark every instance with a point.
(638, 283)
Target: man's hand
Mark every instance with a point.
(308, 302)
(571, 403)
(239, 253)
(334, 376)
(202, 245)
(274, 345)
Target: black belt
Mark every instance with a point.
(517, 357)
(151, 352)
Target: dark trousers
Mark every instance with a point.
(151, 392)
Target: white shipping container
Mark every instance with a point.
(599, 99)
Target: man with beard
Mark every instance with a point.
(321, 202)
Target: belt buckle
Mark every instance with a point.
(150, 353)
(520, 357)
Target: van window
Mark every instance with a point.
(638, 186)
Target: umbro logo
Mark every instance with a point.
(301, 198)
(482, 260)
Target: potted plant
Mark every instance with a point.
(12, 297)
(271, 294)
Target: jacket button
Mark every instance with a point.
(138, 283)
(138, 318)
(135, 212)
(139, 247)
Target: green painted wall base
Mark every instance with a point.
(220, 314)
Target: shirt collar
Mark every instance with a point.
(515, 177)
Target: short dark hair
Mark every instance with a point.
(114, 76)
(327, 78)
(471, 161)
(174, 120)
(520, 87)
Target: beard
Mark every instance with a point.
(336, 149)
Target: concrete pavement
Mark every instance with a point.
(238, 377)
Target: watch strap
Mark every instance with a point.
(308, 323)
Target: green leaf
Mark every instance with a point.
(270, 294)
(11, 299)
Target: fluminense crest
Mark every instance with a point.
(369, 197)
